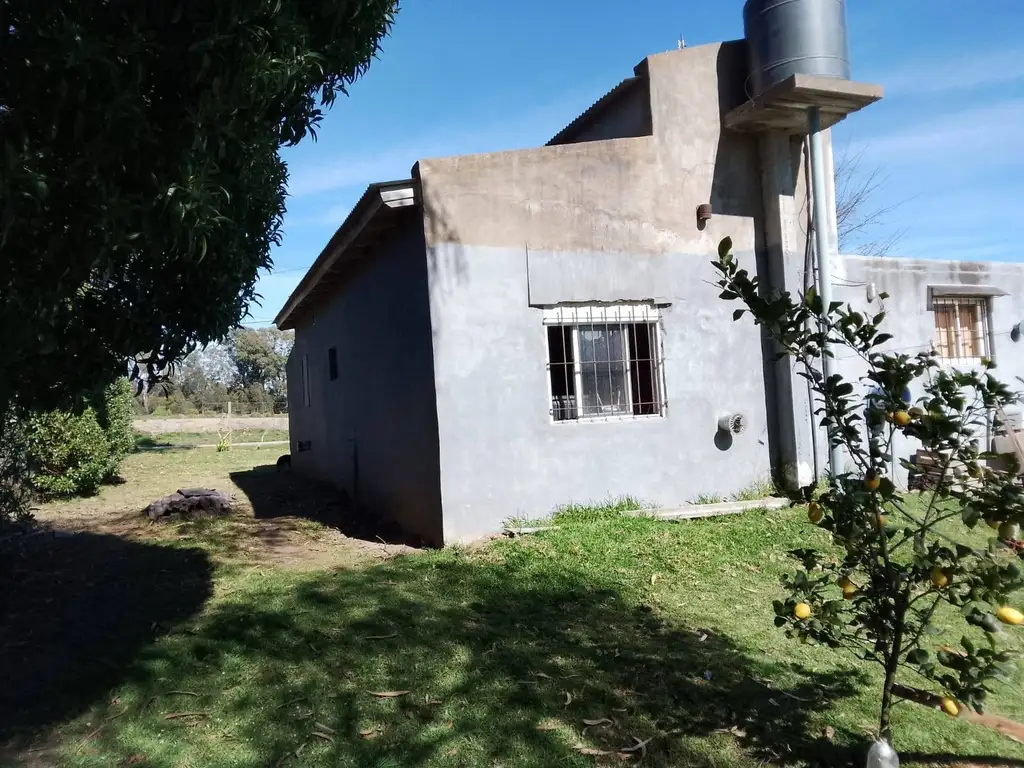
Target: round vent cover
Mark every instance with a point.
(736, 423)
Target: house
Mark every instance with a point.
(502, 333)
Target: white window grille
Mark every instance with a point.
(961, 328)
(305, 380)
(605, 362)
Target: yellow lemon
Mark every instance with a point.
(802, 611)
(950, 707)
(849, 589)
(814, 513)
(901, 418)
(881, 520)
(872, 481)
(939, 577)
(993, 524)
(1007, 615)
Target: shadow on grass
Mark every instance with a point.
(145, 443)
(479, 664)
(958, 761)
(274, 494)
(76, 611)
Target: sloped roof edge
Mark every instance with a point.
(378, 197)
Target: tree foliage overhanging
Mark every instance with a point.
(141, 188)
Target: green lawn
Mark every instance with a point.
(612, 640)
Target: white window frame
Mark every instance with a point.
(305, 380)
(955, 303)
(574, 316)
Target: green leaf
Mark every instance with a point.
(724, 247)
(737, 314)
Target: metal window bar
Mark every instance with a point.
(961, 326)
(604, 363)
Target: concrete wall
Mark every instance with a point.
(912, 323)
(597, 222)
(374, 429)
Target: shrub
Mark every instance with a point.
(14, 487)
(116, 418)
(68, 453)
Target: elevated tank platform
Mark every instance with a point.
(783, 106)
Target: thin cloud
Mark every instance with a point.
(984, 135)
(358, 169)
(966, 72)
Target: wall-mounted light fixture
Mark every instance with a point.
(704, 214)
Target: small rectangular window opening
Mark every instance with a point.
(305, 380)
(332, 363)
(604, 363)
(961, 328)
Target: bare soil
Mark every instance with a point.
(163, 425)
(279, 518)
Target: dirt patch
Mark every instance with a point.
(159, 426)
(279, 518)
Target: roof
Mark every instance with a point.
(373, 215)
(576, 126)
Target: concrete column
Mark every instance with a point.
(781, 268)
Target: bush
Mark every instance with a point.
(14, 489)
(116, 419)
(68, 453)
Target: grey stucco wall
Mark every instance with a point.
(912, 323)
(374, 428)
(501, 454)
(596, 222)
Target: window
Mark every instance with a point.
(961, 328)
(332, 363)
(604, 362)
(305, 380)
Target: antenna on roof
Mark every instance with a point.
(680, 44)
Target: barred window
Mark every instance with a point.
(604, 362)
(961, 328)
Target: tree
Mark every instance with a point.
(259, 357)
(858, 218)
(141, 188)
(898, 560)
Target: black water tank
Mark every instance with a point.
(788, 37)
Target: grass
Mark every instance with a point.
(191, 439)
(610, 632)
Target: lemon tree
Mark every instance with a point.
(899, 562)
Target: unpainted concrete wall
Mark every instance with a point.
(374, 429)
(596, 222)
(912, 323)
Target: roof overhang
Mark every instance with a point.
(371, 217)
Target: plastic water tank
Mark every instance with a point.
(789, 37)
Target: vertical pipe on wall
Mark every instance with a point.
(821, 246)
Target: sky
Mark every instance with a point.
(465, 76)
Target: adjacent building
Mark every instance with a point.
(503, 333)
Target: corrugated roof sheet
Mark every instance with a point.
(577, 125)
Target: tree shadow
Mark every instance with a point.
(273, 495)
(76, 611)
(958, 761)
(145, 443)
(481, 664)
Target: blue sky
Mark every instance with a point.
(464, 76)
